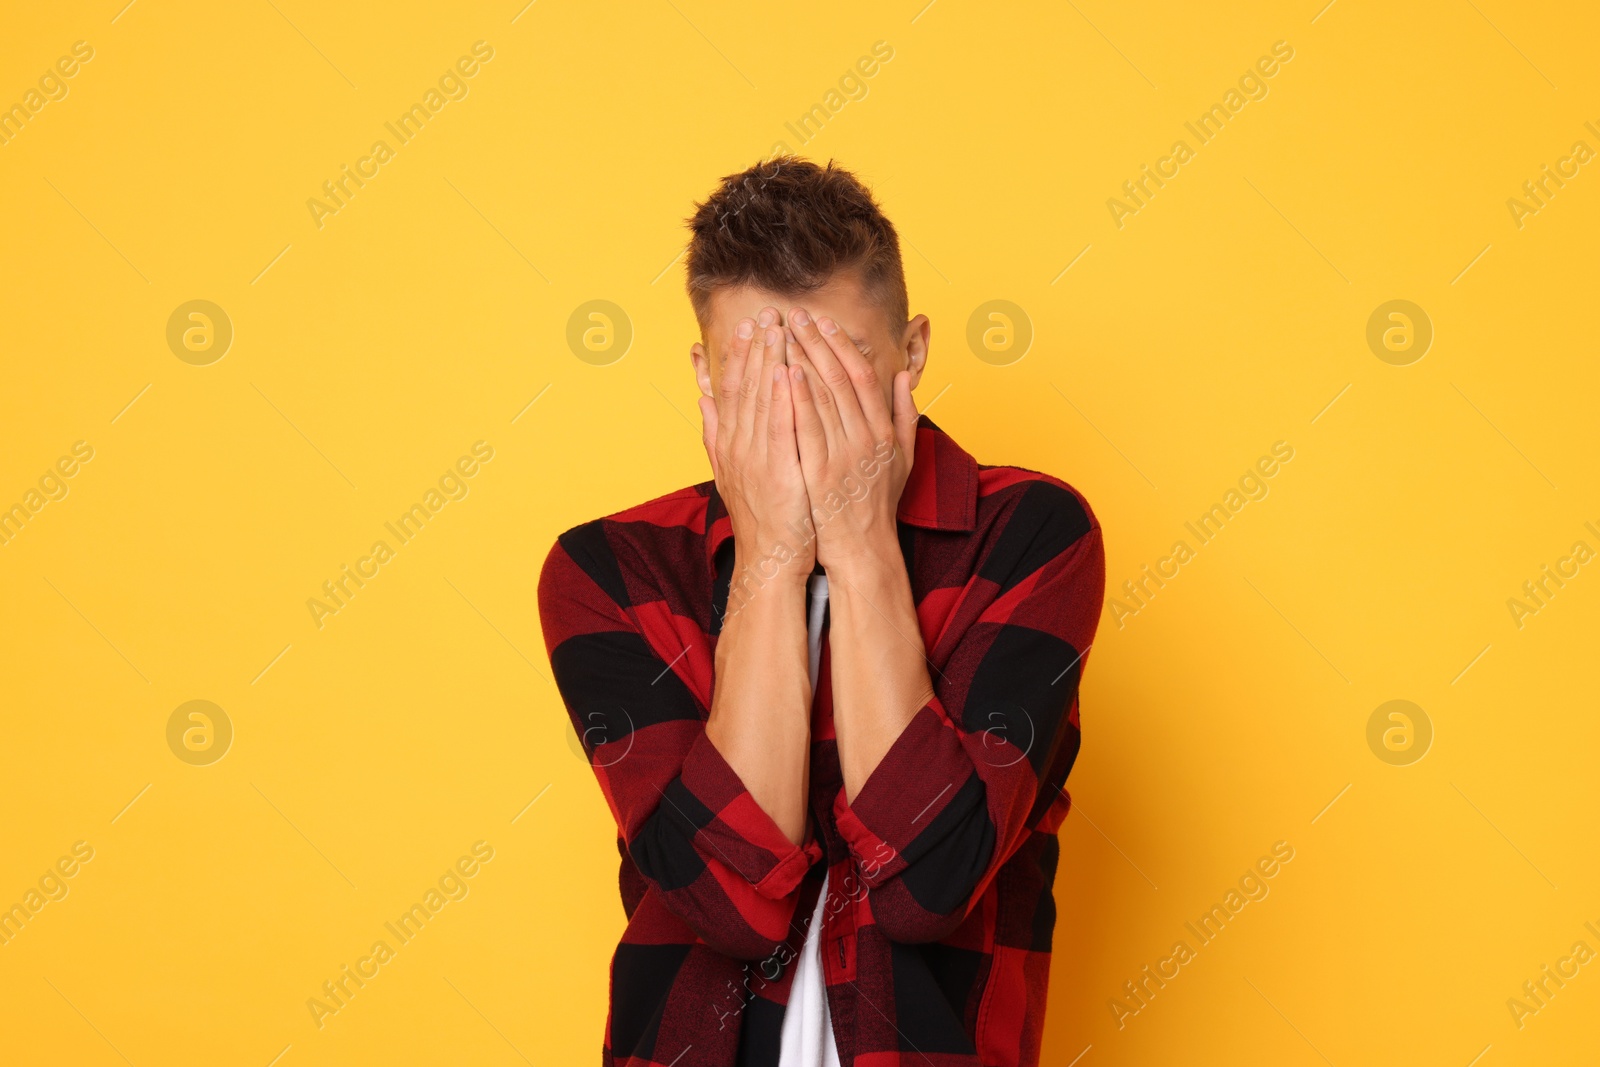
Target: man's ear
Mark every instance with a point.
(702, 367)
(914, 343)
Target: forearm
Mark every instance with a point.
(760, 717)
(880, 672)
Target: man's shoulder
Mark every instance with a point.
(663, 526)
(681, 509)
(1027, 520)
(1009, 495)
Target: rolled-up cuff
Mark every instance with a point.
(734, 831)
(917, 778)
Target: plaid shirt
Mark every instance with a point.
(936, 934)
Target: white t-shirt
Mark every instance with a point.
(807, 1028)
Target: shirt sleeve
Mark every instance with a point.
(982, 764)
(687, 821)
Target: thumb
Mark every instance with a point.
(905, 415)
(708, 432)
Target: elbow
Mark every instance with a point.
(729, 930)
(745, 945)
(725, 928)
(931, 898)
(901, 919)
(919, 931)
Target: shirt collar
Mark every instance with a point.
(940, 494)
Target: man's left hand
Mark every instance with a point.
(855, 452)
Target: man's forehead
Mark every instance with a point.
(840, 299)
(739, 301)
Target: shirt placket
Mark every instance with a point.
(844, 885)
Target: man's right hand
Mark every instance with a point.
(750, 440)
(760, 715)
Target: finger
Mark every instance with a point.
(772, 355)
(708, 432)
(749, 386)
(828, 417)
(751, 381)
(781, 444)
(773, 359)
(905, 415)
(833, 374)
(811, 438)
(863, 375)
(732, 374)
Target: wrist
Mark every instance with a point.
(765, 582)
(867, 560)
(774, 557)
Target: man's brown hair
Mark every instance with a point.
(789, 226)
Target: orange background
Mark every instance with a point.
(368, 754)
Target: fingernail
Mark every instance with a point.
(828, 326)
(768, 317)
(777, 374)
(799, 374)
(745, 328)
(799, 317)
(772, 337)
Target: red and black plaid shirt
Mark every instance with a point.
(936, 934)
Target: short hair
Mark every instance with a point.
(789, 226)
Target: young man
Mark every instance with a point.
(831, 695)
